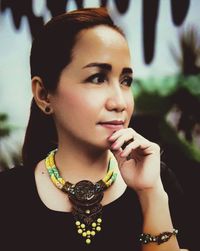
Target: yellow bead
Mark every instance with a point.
(88, 232)
(82, 225)
(98, 228)
(94, 224)
(80, 231)
(78, 223)
(99, 220)
(84, 234)
(93, 233)
(88, 241)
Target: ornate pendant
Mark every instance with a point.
(85, 198)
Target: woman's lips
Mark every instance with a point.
(116, 125)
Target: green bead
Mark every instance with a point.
(94, 224)
(82, 225)
(78, 223)
(98, 229)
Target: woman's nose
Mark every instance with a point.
(116, 99)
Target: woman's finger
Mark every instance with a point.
(127, 131)
(122, 141)
(142, 145)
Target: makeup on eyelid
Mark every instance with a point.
(103, 77)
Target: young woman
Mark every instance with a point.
(88, 181)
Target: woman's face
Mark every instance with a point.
(94, 98)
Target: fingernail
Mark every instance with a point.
(112, 134)
(122, 154)
(109, 138)
(114, 146)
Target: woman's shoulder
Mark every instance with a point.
(12, 173)
(13, 179)
(15, 188)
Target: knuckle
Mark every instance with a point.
(130, 130)
(156, 146)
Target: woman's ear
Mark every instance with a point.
(41, 95)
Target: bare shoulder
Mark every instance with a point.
(42, 179)
(40, 170)
(51, 196)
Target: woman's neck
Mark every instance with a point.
(81, 163)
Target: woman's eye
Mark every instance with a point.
(127, 81)
(98, 78)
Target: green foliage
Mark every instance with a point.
(155, 95)
(192, 85)
(169, 135)
(9, 151)
(158, 97)
(4, 128)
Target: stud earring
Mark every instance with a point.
(47, 109)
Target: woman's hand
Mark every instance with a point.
(139, 161)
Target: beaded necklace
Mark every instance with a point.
(85, 196)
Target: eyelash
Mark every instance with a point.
(129, 81)
(102, 77)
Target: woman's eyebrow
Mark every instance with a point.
(127, 70)
(102, 66)
(108, 67)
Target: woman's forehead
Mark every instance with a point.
(100, 44)
(100, 35)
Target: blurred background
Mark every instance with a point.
(164, 39)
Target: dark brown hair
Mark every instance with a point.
(52, 51)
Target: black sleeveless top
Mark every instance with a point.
(27, 224)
